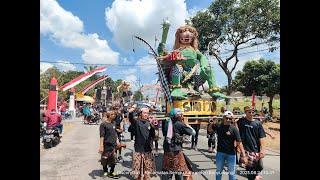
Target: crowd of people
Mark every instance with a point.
(235, 140)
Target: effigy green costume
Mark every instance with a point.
(189, 67)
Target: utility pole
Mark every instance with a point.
(139, 85)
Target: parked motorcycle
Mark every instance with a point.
(93, 119)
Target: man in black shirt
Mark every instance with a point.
(108, 143)
(174, 160)
(227, 134)
(252, 134)
(142, 159)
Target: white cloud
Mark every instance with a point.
(44, 67)
(62, 26)
(66, 66)
(130, 71)
(147, 65)
(144, 18)
(125, 60)
(154, 81)
(132, 79)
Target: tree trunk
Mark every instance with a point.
(270, 105)
(229, 90)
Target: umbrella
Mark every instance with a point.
(85, 99)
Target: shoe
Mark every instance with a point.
(214, 151)
(210, 150)
(196, 148)
(132, 140)
(105, 174)
(113, 175)
(120, 159)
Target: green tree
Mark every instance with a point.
(234, 24)
(45, 82)
(138, 96)
(261, 76)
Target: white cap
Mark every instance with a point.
(228, 114)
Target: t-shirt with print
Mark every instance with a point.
(227, 134)
(251, 132)
(144, 134)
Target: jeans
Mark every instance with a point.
(231, 163)
(60, 127)
(126, 127)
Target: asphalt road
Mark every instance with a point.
(76, 157)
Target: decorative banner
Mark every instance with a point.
(81, 78)
(93, 84)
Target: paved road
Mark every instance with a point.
(76, 157)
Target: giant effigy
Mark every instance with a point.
(186, 67)
(184, 72)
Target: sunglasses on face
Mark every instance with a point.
(229, 118)
(251, 112)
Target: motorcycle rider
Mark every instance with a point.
(53, 119)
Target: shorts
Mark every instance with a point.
(108, 158)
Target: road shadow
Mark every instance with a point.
(195, 167)
(125, 174)
(158, 161)
(96, 173)
(211, 156)
(127, 164)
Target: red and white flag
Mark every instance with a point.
(93, 84)
(253, 103)
(82, 78)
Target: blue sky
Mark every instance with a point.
(100, 31)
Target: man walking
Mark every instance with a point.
(252, 136)
(227, 135)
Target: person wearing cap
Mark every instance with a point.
(227, 134)
(252, 136)
(143, 163)
(174, 161)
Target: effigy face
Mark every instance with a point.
(186, 37)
